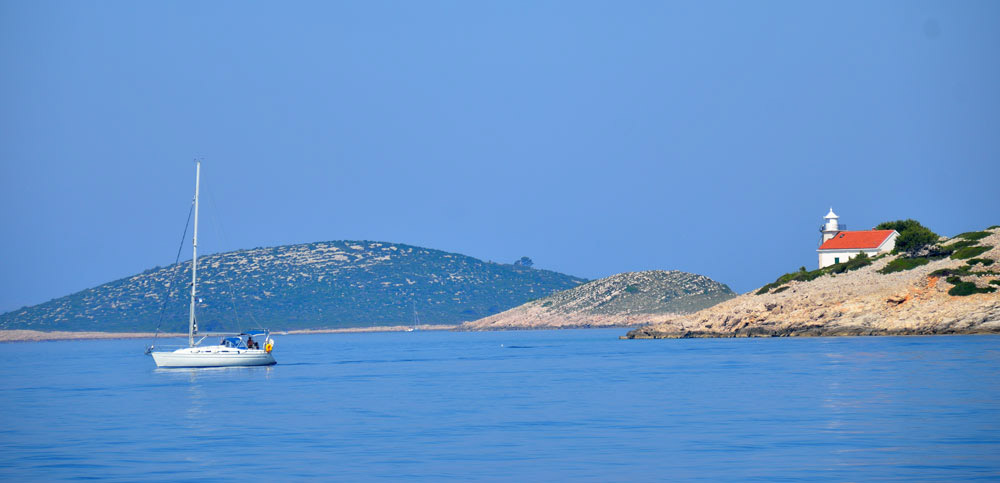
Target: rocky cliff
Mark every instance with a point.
(894, 295)
(622, 300)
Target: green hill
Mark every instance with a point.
(307, 286)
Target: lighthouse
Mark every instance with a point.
(839, 245)
(831, 227)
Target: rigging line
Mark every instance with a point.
(217, 228)
(177, 259)
(221, 232)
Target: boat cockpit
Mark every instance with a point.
(246, 341)
(233, 342)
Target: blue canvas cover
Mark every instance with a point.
(234, 342)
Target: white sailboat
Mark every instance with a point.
(416, 320)
(233, 350)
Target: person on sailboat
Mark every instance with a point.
(250, 342)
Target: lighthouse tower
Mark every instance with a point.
(831, 227)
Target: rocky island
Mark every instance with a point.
(622, 300)
(330, 285)
(949, 287)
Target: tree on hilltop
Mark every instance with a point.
(912, 235)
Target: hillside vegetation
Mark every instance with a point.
(321, 285)
(621, 300)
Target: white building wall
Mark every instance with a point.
(889, 243)
(829, 257)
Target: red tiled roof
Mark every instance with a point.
(856, 239)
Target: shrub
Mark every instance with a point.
(914, 239)
(912, 235)
(899, 225)
(969, 252)
(632, 289)
(962, 289)
(944, 272)
(954, 280)
(938, 252)
(995, 282)
(800, 276)
(862, 260)
(900, 264)
(984, 261)
(807, 276)
(782, 289)
(959, 244)
(974, 235)
(837, 268)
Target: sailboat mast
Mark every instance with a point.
(194, 256)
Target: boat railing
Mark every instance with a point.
(166, 347)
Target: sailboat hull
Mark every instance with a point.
(197, 357)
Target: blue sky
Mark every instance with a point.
(594, 137)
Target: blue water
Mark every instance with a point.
(515, 406)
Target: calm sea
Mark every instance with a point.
(515, 406)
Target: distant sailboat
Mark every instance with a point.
(233, 349)
(416, 319)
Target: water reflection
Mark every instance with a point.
(196, 397)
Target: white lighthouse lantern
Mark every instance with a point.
(831, 227)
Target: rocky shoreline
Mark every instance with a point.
(864, 302)
(359, 330)
(991, 327)
(42, 336)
